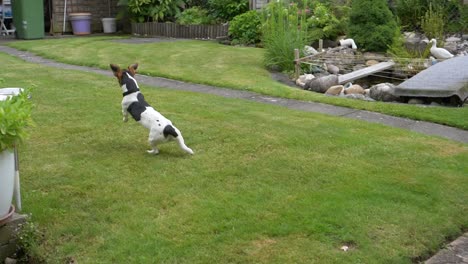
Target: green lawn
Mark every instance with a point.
(266, 184)
(214, 64)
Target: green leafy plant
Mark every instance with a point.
(246, 28)
(152, 10)
(371, 24)
(284, 29)
(323, 23)
(195, 16)
(28, 241)
(15, 117)
(226, 10)
(432, 23)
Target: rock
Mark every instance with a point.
(335, 90)
(322, 84)
(10, 261)
(331, 68)
(309, 77)
(415, 101)
(354, 89)
(371, 62)
(453, 39)
(383, 92)
(452, 47)
(367, 92)
(303, 79)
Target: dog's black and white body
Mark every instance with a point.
(133, 102)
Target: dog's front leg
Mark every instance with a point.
(125, 114)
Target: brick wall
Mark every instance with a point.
(98, 9)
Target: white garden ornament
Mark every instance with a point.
(439, 53)
(348, 43)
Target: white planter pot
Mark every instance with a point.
(7, 180)
(109, 25)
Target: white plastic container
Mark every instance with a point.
(7, 180)
(109, 25)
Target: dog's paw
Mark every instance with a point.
(125, 119)
(153, 151)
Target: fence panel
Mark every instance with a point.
(172, 30)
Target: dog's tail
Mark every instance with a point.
(173, 131)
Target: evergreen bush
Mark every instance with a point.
(371, 24)
(246, 28)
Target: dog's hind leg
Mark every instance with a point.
(152, 141)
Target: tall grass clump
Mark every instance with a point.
(433, 22)
(284, 29)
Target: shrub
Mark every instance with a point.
(323, 23)
(432, 23)
(284, 29)
(226, 10)
(152, 10)
(246, 28)
(371, 24)
(195, 16)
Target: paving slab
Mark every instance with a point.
(444, 79)
(454, 253)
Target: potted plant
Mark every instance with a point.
(15, 117)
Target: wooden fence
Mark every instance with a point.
(172, 30)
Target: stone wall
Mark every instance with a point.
(98, 9)
(8, 232)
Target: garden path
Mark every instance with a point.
(427, 128)
(456, 252)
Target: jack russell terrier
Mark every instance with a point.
(161, 128)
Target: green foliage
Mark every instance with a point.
(371, 24)
(28, 237)
(432, 23)
(246, 28)
(226, 10)
(411, 13)
(152, 10)
(284, 29)
(15, 117)
(199, 3)
(323, 23)
(195, 16)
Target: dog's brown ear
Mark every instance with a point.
(115, 68)
(117, 71)
(132, 69)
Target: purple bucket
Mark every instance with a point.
(81, 23)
